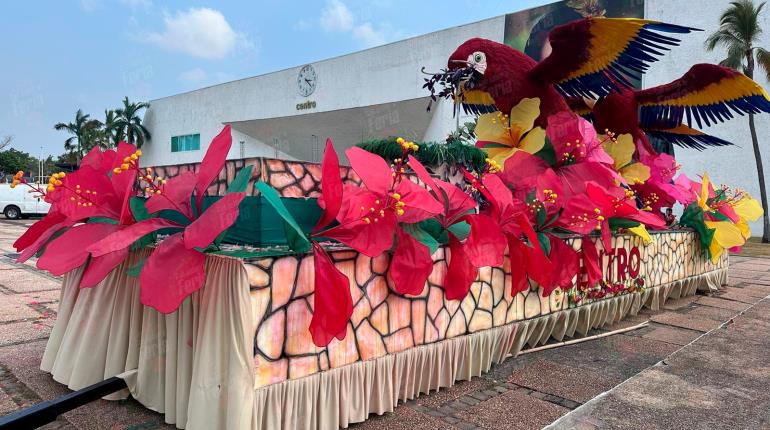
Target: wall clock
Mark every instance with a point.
(306, 80)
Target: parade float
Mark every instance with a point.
(267, 293)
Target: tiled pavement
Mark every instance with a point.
(533, 390)
(528, 392)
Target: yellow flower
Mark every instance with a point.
(641, 231)
(704, 192)
(748, 209)
(622, 150)
(726, 235)
(504, 135)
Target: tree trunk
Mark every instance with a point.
(761, 175)
(758, 155)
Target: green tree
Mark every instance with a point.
(112, 132)
(13, 160)
(129, 123)
(739, 31)
(84, 134)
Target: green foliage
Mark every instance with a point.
(13, 160)
(616, 223)
(294, 235)
(431, 153)
(693, 217)
(466, 133)
(122, 124)
(738, 33)
(422, 236)
(241, 181)
(135, 271)
(128, 123)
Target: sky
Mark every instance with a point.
(60, 56)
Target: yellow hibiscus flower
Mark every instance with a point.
(502, 135)
(728, 234)
(622, 150)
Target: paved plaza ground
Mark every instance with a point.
(702, 362)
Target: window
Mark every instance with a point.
(189, 142)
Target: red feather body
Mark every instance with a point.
(508, 79)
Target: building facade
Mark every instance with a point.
(378, 92)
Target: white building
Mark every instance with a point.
(378, 92)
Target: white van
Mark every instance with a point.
(19, 202)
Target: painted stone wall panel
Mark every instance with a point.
(384, 322)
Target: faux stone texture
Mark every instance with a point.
(384, 322)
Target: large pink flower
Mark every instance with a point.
(92, 194)
(574, 140)
(592, 211)
(484, 246)
(176, 267)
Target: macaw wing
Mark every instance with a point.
(707, 93)
(594, 56)
(686, 137)
(476, 102)
(580, 106)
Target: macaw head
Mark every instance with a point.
(490, 60)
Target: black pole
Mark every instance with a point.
(46, 412)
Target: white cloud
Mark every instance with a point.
(368, 35)
(200, 32)
(138, 4)
(89, 5)
(336, 17)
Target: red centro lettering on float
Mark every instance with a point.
(620, 264)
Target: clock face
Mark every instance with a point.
(306, 80)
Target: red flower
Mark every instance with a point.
(528, 259)
(522, 171)
(592, 211)
(92, 191)
(485, 244)
(176, 268)
(332, 302)
(369, 217)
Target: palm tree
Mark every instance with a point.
(738, 31)
(82, 131)
(129, 123)
(113, 134)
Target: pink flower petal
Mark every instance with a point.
(171, 273)
(332, 303)
(214, 220)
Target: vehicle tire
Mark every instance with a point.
(12, 212)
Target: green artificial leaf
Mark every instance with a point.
(432, 227)
(241, 181)
(553, 220)
(547, 153)
(541, 214)
(422, 236)
(134, 271)
(138, 209)
(719, 216)
(616, 223)
(545, 243)
(693, 218)
(461, 230)
(101, 219)
(295, 237)
(139, 212)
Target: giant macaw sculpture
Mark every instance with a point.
(590, 57)
(705, 95)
